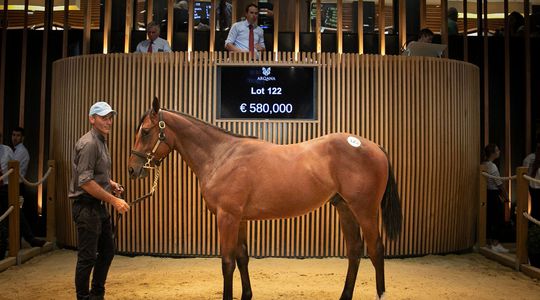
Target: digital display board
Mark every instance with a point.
(266, 92)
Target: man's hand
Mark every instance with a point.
(120, 205)
(117, 189)
(259, 47)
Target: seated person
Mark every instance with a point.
(239, 35)
(154, 43)
(425, 36)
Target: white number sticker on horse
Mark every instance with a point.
(354, 141)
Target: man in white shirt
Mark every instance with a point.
(246, 36)
(19, 150)
(154, 43)
(5, 156)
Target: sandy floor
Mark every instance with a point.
(469, 276)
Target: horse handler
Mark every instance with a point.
(90, 188)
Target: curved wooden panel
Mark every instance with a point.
(424, 111)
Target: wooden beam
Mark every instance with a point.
(318, 27)
(87, 15)
(170, 22)
(191, 24)
(339, 32)
(507, 108)
(422, 14)
(213, 14)
(444, 24)
(276, 27)
(296, 29)
(486, 73)
(465, 33)
(528, 121)
(150, 11)
(402, 23)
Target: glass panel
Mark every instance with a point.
(139, 15)
(266, 16)
(160, 16)
(201, 15)
(224, 15)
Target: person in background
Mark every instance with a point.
(246, 36)
(224, 15)
(20, 153)
(6, 154)
(181, 16)
(496, 198)
(90, 187)
(532, 161)
(154, 43)
(452, 21)
(425, 36)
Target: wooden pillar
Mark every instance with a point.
(14, 217)
(339, 32)
(486, 71)
(191, 24)
(170, 24)
(360, 26)
(382, 36)
(296, 29)
(65, 35)
(150, 11)
(3, 64)
(318, 27)
(444, 24)
(213, 15)
(507, 108)
(128, 26)
(22, 86)
(522, 205)
(528, 121)
(465, 33)
(107, 26)
(87, 26)
(402, 23)
(276, 27)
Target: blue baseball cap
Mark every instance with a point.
(101, 109)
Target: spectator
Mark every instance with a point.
(6, 154)
(90, 188)
(225, 18)
(181, 16)
(532, 161)
(21, 154)
(246, 36)
(154, 43)
(496, 198)
(425, 36)
(452, 21)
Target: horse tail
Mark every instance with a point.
(391, 205)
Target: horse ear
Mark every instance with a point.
(155, 105)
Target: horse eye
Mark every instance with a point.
(145, 132)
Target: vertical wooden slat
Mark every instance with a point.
(276, 26)
(485, 68)
(507, 121)
(296, 29)
(150, 11)
(66, 29)
(465, 32)
(444, 24)
(422, 14)
(318, 27)
(360, 26)
(190, 26)
(402, 23)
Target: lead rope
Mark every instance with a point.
(150, 194)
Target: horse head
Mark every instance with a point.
(151, 145)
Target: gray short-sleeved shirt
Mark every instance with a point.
(91, 161)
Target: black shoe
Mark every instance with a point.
(37, 243)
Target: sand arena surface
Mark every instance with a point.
(468, 276)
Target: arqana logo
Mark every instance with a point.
(266, 71)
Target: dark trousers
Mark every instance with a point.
(495, 215)
(96, 246)
(535, 203)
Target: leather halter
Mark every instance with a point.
(150, 156)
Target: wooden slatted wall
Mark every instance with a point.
(424, 111)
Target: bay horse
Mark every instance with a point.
(244, 178)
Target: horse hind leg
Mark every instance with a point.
(242, 260)
(353, 240)
(375, 250)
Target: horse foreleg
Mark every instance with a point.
(242, 260)
(375, 250)
(353, 240)
(228, 226)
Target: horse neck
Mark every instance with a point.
(198, 143)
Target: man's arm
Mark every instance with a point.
(231, 38)
(167, 47)
(94, 189)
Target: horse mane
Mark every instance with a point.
(204, 123)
